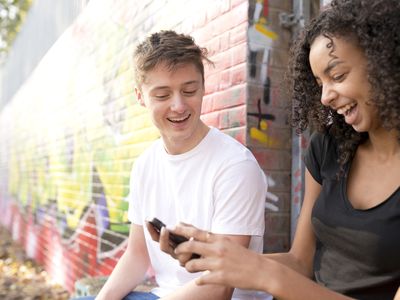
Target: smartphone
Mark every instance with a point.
(174, 239)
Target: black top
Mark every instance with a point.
(357, 251)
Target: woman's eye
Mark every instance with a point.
(338, 77)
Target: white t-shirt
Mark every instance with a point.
(217, 186)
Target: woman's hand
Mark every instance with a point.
(226, 262)
(166, 245)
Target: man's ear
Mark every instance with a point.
(139, 96)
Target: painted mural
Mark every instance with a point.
(68, 145)
(260, 41)
(261, 38)
(69, 137)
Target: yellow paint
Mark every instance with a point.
(261, 27)
(262, 137)
(263, 125)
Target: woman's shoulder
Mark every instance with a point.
(321, 156)
(322, 141)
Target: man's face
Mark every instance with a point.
(174, 99)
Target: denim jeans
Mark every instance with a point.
(130, 296)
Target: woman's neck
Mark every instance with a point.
(384, 144)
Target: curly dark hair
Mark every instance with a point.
(374, 26)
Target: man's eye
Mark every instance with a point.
(161, 96)
(189, 93)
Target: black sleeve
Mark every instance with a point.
(313, 157)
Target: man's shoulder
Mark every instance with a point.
(229, 147)
(150, 152)
(222, 138)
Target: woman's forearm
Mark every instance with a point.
(290, 260)
(283, 282)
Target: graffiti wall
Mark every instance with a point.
(70, 135)
(269, 134)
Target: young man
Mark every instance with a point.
(194, 174)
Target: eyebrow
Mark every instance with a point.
(167, 87)
(331, 65)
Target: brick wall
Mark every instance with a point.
(69, 136)
(269, 135)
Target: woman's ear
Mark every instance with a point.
(139, 97)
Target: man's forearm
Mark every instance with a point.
(127, 274)
(194, 292)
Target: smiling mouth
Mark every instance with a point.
(179, 120)
(345, 110)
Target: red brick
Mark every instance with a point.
(224, 41)
(213, 11)
(238, 133)
(275, 242)
(207, 105)
(212, 83)
(238, 34)
(225, 81)
(272, 159)
(211, 119)
(279, 223)
(240, 14)
(239, 54)
(235, 3)
(199, 20)
(228, 98)
(239, 74)
(222, 61)
(232, 117)
(221, 25)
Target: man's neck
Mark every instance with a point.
(173, 147)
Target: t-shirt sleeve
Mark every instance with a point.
(314, 155)
(240, 191)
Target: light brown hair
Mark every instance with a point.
(167, 47)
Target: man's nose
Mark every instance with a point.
(178, 103)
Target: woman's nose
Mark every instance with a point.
(328, 95)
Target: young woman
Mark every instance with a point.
(345, 74)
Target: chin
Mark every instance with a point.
(360, 128)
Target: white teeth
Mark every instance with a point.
(344, 110)
(178, 120)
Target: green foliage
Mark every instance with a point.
(12, 15)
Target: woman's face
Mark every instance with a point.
(340, 69)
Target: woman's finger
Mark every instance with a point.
(199, 265)
(165, 244)
(183, 258)
(193, 246)
(207, 278)
(185, 230)
(189, 231)
(153, 233)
